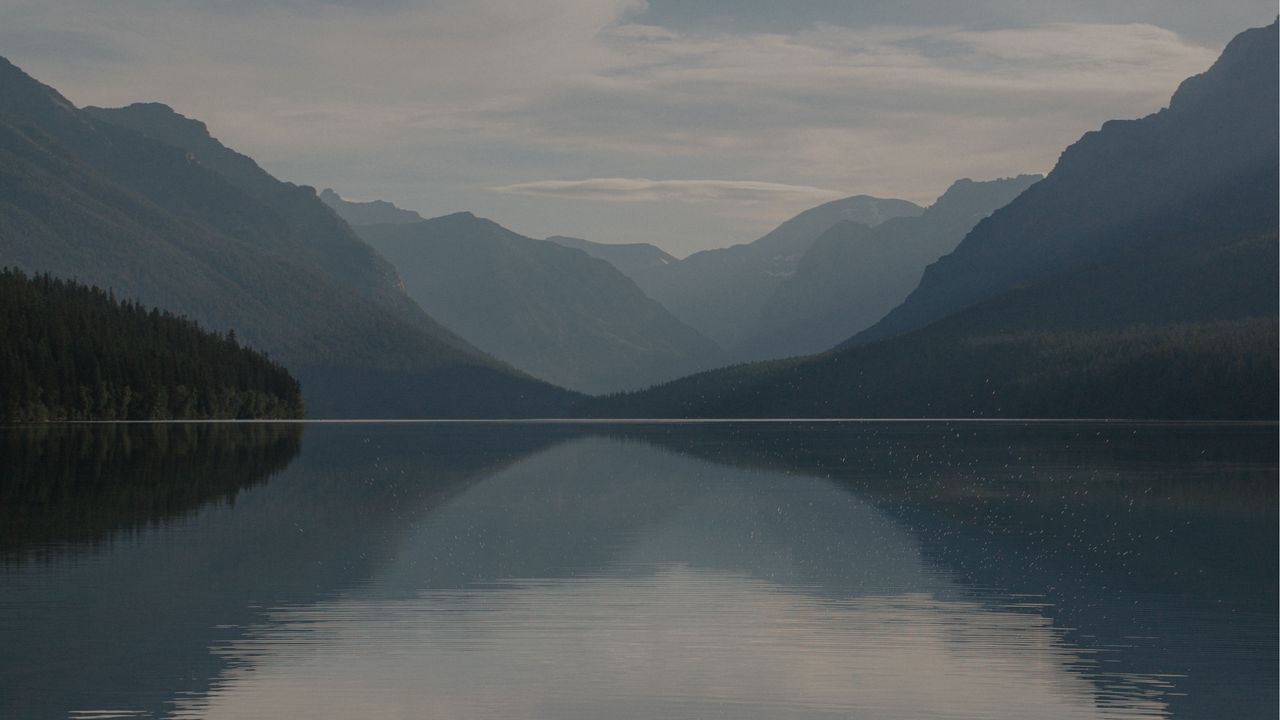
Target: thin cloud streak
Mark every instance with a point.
(434, 106)
(684, 191)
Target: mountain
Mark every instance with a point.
(314, 233)
(75, 353)
(374, 212)
(1143, 285)
(1122, 186)
(721, 292)
(635, 260)
(853, 274)
(555, 312)
(204, 233)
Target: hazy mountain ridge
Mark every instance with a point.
(553, 311)
(854, 274)
(373, 212)
(85, 199)
(1166, 311)
(721, 292)
(635, 260)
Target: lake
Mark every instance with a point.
(738, 570)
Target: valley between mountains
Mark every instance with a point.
(1136, 279)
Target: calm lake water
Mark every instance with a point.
(850, 570)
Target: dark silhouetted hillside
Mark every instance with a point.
(1201, 163)
(73, 352)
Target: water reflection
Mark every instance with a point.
(1153, 547)
(730, 571)
(127, 624)
(684, 643)
(65, 485)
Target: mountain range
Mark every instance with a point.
(147, 203)
(722, 292)
(553, 311)
(1138, 279)
(854, 274)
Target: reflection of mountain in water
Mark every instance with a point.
(138, 615)
(1151, 547)
(1092, 528)
(599, 505)
(602, 514)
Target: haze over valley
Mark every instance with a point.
(1153, 238)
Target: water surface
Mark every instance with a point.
(864, 570)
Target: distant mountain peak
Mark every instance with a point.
(967, 196)
(372, 212)
(863, 209)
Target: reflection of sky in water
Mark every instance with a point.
(607, 579)
(678, 643)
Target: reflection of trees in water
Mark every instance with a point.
(144, 613)
(66, 484)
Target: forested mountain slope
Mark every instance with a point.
(72, 352)
(86, 199)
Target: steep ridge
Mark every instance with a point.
(85, 199)
(552, 311)
(1117, 187)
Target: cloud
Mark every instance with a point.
(685, 191)
(433, 105)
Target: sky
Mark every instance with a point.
(690, 124)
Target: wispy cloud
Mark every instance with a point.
(685, 191)
(435, 105)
